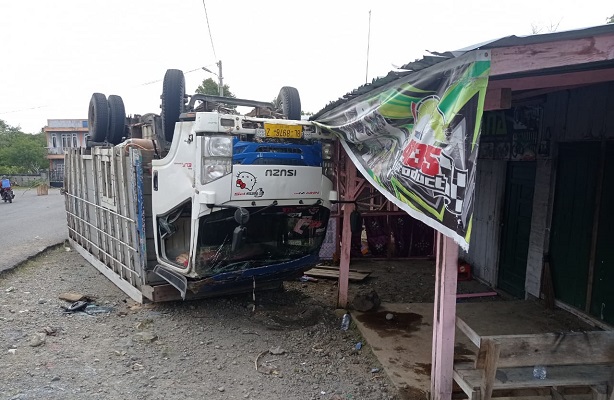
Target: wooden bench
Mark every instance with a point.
(504, 364)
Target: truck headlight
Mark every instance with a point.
(218, 146)
(215, 169)
(217, 157)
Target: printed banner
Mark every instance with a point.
(416, 140)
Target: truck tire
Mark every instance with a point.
(173, 95)
(98, 117)
(117, 119)
(289, 103)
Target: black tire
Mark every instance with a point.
(10, 199)
(98, 117)
(173, 100)
(289, 103)
(117, 119)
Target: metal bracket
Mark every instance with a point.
(179, 281)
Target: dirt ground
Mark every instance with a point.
(199, 349)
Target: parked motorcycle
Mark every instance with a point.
(6, 193)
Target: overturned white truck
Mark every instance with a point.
(201, 200)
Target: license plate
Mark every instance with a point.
(283, 131)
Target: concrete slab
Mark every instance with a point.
(403, 343)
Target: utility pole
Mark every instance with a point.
(221, 85)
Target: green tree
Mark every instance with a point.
(211, 87)
(21, 152)
(611, 19)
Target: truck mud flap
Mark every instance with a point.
(179, 281)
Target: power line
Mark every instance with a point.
(160, 80)
(23, 109)
(209, 28)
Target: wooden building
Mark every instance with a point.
(543, 218)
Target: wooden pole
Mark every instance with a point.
(444, 318)
(346, 235)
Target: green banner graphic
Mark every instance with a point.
(416, 140)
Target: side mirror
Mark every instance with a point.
(238, 236)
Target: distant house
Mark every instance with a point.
(63, 134)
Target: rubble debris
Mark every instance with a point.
(72, 297)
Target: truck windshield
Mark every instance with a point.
(273, 235)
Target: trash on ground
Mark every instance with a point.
(306, 278)
(93, 309)
(10, 289)
(72, 296)
(76, 306)
(358, 346)
(345, 322)
(12, 351)
(374, 370)
(389, 316)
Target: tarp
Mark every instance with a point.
(416, 140)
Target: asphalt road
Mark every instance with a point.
(30, 224)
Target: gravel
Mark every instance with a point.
(290, 347)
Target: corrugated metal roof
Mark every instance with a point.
(436, 57)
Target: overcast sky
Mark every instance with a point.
(55, 54)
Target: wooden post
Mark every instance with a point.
(346, 235)
(444, 318)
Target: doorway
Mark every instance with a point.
(516, 226)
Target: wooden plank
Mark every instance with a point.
(498, 99)
(490, 367)
(538, 56)
(581, 78)
(557, 376)
(444, 319)
(329, 268)
(552, 349)
(470, 333)
(469, 390)
(324, 273)
(583, 316)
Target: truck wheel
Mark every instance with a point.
(98, 117)
(173, 95)
(289, 103)
(117, 119)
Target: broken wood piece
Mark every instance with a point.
(333, 273)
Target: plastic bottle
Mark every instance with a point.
(345, 322)
(539, 372)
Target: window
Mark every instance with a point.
(66, 140)
(74, 140)
(54, 141)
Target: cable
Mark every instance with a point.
(209, 28)
(160, 80)
(22, 109)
